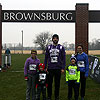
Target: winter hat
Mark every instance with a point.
(41, 65)
(55, 35)
(73, 57)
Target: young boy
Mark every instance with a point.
(41, 82)
(73, 78)
(30, 70)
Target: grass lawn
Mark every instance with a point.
(13, 86)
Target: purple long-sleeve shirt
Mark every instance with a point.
(55, 57)
(31, 66)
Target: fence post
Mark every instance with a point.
(0, 36)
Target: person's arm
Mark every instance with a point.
(9, 51)
(46, 57)
(63, 58)
(37, 79)
(87, 66)
(26, 68)
(67, 74)
(78, 75)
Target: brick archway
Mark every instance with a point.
(81, 16)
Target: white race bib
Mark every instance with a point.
(72, 71)
(42, 76)
(54, 59)
(32, 67)
(81, 64)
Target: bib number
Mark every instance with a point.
(81, 64)
(32, 67)
(42, 76)
(54, 59)
(72, 71)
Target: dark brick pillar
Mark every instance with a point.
(0, 36)
(81, 25)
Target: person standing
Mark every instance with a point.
(30, 71)
(7, 58)
(83, 64)
(41, 82)
(73, 78)
(55, 58)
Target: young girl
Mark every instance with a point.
(30, 70)
(73, 78)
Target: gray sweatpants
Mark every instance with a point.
(31, 86)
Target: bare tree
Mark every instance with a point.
(42, 40)
(65, 44)
(71, 46)
(95, 44)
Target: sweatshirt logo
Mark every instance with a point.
(54, 53)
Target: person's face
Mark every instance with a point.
(55, 40)
(79, 49)
(41, 69)
(73, 61)
(33, 55)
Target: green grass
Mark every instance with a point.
(13, 86)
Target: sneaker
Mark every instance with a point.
(69, 98)
(57, 98)
(49, 98)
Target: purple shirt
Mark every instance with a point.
(55, 57)
(30, 66)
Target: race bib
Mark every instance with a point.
(81, 64)
(32, 67)
(42, 76)
(72, 71)
(54, 59)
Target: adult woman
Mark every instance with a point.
(83, 64)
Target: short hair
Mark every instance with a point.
(33, 51)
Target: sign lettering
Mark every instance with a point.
(37, 16)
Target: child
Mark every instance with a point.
(30, 70)
(41, 82)
(73, 78)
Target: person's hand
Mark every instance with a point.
(26, 78)
(62, 70)
(46, 85)
(86, 76)
(77, 82)
(66, 81)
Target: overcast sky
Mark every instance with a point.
(12, 31)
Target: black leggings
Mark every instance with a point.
(83, 84)
(56, 74)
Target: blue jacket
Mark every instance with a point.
(83, 63)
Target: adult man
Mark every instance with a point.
(56, 59)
